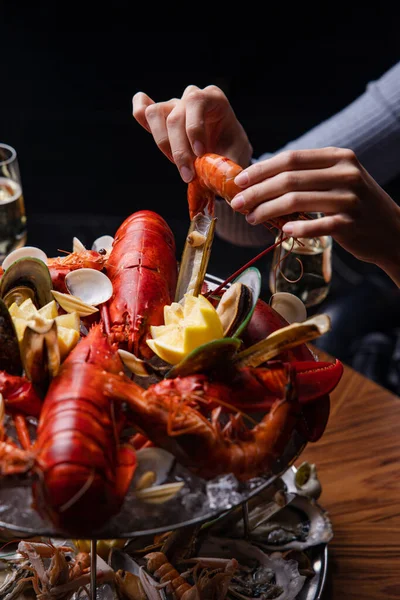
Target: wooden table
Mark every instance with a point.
(358, 463)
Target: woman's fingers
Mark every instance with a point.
(295, 160)
(328, 225)
(331, 201)
(288, 182)
(140, 102)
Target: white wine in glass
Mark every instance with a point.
(13, 232)
(303, 269)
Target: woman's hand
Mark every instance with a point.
(201, 121)
(358, 213)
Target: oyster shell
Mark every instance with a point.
(258, 572)
(298, 526)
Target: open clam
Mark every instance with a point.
(91, 286)
(26, 277)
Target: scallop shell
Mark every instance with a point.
(91, 286)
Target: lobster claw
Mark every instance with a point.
(316, 379)
(264, 385)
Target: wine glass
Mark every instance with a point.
(13, 232)
(303, 267)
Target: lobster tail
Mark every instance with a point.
(143, 270)
(78, 452)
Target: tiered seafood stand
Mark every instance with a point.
(223, 505)
(226, 537)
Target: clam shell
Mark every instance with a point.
(158, 494)
(23, 252)
(73, 304)
(77, 245)
(155, 460)
(103, 242)
(91, 286)
(289, 306)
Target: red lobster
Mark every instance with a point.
(84, 471)
(264, 321)
(143, 269)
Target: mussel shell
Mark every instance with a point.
(10, 357)
(18, 295)
(234, 307)
(31, 273)
(214, 355)
(40, 352)
(248, 288)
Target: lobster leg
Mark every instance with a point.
(171, 423)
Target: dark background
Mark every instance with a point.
(86, 164)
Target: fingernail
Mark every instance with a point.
(287, 228)
(198, 148)
(238, 202)
(186, 174)
(241, 179)
(250, 219)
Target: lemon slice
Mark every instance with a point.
(67, 339)
(171, 353)
(173, 313)
(186, 328)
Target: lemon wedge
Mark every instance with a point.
(187, 327)
(68, 325)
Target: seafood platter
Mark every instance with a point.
(145, 401)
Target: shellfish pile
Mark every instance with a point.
(91, 417)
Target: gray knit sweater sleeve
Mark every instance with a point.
(370, 126)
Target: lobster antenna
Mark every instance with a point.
(246, 266)
(78, 494)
